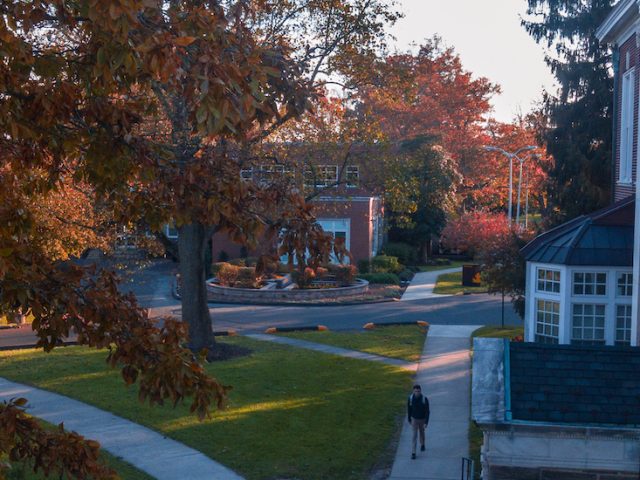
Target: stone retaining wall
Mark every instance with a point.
(250, 295)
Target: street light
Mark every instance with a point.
(522, 160)
(511, 156)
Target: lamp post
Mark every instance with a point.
(522, 160)
(511, 156)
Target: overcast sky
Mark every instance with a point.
(488, 37)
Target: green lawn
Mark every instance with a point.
(401, 341)
(433, 268)
(451, 284)
(475, 433)
(292, 413)
(495, 331)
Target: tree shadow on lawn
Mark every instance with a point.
(292, 413)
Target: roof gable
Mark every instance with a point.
(603, 238)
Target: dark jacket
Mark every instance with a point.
(418, 407)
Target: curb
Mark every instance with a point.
(225, 333)
(9, 327)
(419, 323)
(316, 328)
(305, 304)
(176, 295)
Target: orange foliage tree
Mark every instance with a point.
(431, 94)
(154, 106)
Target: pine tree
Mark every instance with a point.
(579, 133)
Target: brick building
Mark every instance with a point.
(346, 188)
(581, 276)
(565, 404)
(557, 412)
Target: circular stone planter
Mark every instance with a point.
(271, 295)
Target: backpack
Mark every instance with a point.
(411, 400)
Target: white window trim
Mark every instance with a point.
(355, 169)
(626, 127)
(615, 322)
(167, 229)
(618, 274)
(607, 287)
(559, 282)
(535, 319)
(602, 304)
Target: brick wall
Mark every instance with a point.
(360, 212)
(516, 473)
(629, 46)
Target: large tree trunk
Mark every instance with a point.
(192, 240)
(424, 251)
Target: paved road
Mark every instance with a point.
(153, 289)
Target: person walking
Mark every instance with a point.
(418, 417)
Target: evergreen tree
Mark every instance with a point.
(579, 133)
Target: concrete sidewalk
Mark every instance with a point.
(331, 350)
(444, 374)
(423, 283)
(143, 448)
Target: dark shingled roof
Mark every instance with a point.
(575, 384)
(603, 238)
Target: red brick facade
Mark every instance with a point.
(628, 59)
(363, 214)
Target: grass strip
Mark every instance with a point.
(451, 284)
(434, 268)
(398, 341)
(292, 413)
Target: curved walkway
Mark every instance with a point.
(423, 283)
(342, 352)
(142, 447)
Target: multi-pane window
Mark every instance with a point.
(588, 324)
(352, 175)
(246, 173)
(548, 280)
(327, 175)
(626, 127)
(589, 283)
(623, 324)
(547, 321)
(625, 285)
(321, 176)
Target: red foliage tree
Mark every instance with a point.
(475, 231)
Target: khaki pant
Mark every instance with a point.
(417, 425)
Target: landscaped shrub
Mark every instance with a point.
(238, 262)
(304, 278)
(385, 264)
(228, 274)
(215, 267)
(381, 278)
(283, 268)
(345, 274)
(246, 278)
(251, 261)
(406, 275)
(322, 272)
(439, 262)
(364, 266)
(406, 254)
